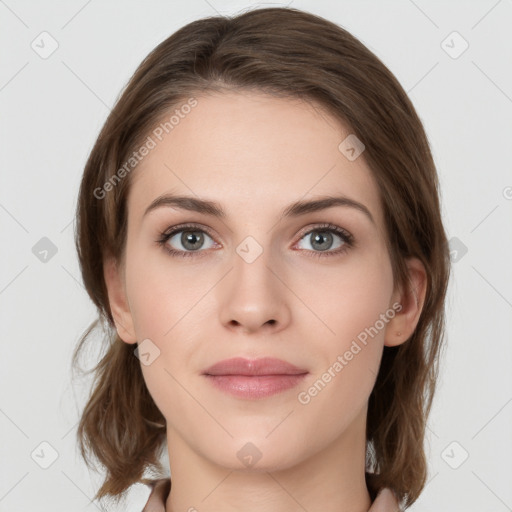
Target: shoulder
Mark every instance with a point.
(385, 501)
(160, 489)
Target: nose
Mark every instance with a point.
(253, 297)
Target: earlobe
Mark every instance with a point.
(118, 301)
(403, 324)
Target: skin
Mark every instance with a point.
(386, 501)
(255, 154)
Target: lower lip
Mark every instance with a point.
(255, 386)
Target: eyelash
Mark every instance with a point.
(347, 238)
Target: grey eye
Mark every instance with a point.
(190, 240)
(321, 240)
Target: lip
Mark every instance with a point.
(262, 366)
(256, 378)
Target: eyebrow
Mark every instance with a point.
(295, 209)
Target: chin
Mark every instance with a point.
(257, 454)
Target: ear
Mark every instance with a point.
(402, 325)
(114, 280)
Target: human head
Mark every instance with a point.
(288, 54)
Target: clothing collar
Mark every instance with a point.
(384, 502)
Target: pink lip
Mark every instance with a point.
(263, 366)
(257, 378)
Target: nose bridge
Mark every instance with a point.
(251, 265)
(252, 295)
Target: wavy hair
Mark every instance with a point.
(288, 53)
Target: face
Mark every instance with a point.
(312, 287)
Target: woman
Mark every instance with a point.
(259, 226)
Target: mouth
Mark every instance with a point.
(253, 379)
(254, 367)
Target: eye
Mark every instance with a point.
(187, 240)
(322, 238)
(190, 237)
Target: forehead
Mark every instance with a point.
(251, 152)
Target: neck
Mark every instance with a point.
(332, 480)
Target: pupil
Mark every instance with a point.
(191, 238)
(322, 237)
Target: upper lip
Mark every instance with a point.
(262, 366)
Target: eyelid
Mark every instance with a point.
(187, 226)
(346, 236)
(200, 227)
(327, 226)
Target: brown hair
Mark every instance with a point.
(289, 53)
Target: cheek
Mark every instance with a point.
(161, 294)
(351, 306)
(351, 303)
(164, 305)
(351, 298)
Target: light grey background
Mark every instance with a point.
(52, 110)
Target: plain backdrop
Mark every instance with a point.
(454, 60)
